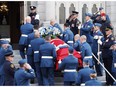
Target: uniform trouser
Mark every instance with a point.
(108, 65)
(38, 73)
(69, 83)
(31, 61)
(22, 50)
(48, 75)
(1, 80)
(98, 67)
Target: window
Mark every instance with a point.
(62, 14)
(72, 8)
(84, 10)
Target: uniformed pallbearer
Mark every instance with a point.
(68, 35)
(47, 53)
(69, 65)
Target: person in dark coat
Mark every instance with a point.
(9, 68)
(107, 53)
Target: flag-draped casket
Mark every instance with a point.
(63, 52)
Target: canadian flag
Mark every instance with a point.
(63, 52)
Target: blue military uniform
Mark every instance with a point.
(2, 60)
(48, 57)
(93, 81)
(96, 36)
(9, 70)
(86, 53)
(84, 74)
(107, 55)
(29, 50)
(77, 45)
(69, 65)
(35, 45)
(25, 30)
(22, 76)
(68, 37)
(86, 30)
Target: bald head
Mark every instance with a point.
(28, 19)
(77, 37)
(83, 38)
(52, 22)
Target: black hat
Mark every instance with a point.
(70, 49)
(8, 52)
(108, 28)
(101, 8)
(32, 7)
(75, 12)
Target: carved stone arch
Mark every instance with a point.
(94, 8)
(71, 8)
(84, 10)
(62, 14)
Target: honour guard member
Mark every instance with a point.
(84, 74)
(9, 68)
(87, 28)
(33, 14)
(93, 81)
(35, 45)
(107, 53)
(97, 34)
(101, 9)
(68, 36)
(24, 73)
(48, 57)
(69, 65)
(25, 30)
(31, 36)
(74, 22)
(86, 51)
(4, 45)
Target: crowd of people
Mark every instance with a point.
(75, 50)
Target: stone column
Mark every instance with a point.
(50, 10)
(111, 11)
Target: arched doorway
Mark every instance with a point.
(10, 21)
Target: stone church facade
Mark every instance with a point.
(60, 10)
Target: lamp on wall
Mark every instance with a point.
(3, 8)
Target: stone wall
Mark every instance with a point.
(111, 11)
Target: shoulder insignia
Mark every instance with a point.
(12, 65)
(88, 26)
(112, 38)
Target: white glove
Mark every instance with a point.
(59, 61)
(79, 27)
(96, 37)
(99, 42)
(57, 48)
(115, 65)
(98, 53)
